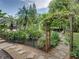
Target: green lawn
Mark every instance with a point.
(75, 52)
(76, 38)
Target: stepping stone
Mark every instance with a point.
(62, 53)
(31, 55)
(25, 54)
(52, 57)
(41, 57)
(22, 52)
(1, 41)
(52, 52)
(18, 49)
(61, 47)
(11, 47)
(5, 45)
(58, 55)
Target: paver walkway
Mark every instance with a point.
(19, 51)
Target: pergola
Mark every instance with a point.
(47, 25)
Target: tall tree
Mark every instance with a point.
(23, 14)
(60, 5)
(33, 12)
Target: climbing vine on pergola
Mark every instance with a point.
(47, 26)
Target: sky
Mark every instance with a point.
(11, 7)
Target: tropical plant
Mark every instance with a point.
(54, 39)
(41, 42)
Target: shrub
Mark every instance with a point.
(75, 52)
(54, 39)
(10, 36)
(19, 36)
(34, 33)
(3, 34)
(41, 42)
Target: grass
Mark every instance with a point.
(76, 38)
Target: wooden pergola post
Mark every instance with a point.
(48, 34)
(71, 34)
(47, 43)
